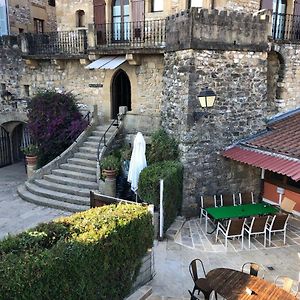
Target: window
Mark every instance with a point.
(21, 30)
(195, 3)
(51, 2)
(282, 181)
(80, 14)
(26, 90)
(3, 18)
(3, 88)
(157, 5)
(120, 14)
(38, 25)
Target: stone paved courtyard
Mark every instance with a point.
(17, 215)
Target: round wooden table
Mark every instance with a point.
(232, 285)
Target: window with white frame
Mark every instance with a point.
(195, 3)
(157, 5)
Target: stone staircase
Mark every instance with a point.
(68, 187)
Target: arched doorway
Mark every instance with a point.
(5, 155)
(121, 92)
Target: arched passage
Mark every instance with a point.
(121, 92)
(5, 154)
(275, 76)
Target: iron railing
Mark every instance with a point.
(143, 34)
(286, 27)
(60, 42)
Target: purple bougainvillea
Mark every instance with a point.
(54, 122)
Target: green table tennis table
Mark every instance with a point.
(241, 211)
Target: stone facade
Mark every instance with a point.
(239, 80)
(238, 5)
(90, 86)
(23, 13)
(286, 91)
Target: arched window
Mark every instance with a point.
(120, 15)
(80, 18)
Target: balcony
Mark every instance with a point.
(131, 35)
(60, 43)
(286, 27)
(147, 36)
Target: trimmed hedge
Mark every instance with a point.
(171, 172)
(90, 255)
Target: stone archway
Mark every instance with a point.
(275, 76)
(121, 92)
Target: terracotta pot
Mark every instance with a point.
(109, 173)
(31, 160)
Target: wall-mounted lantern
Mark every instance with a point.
(206, 99)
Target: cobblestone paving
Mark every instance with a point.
(17, 215)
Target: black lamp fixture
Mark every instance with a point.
(7, 96)
(206, 99)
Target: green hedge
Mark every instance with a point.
(171, 172)
(90, 255)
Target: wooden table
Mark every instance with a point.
(232, 284)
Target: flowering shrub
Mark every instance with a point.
(54, 122)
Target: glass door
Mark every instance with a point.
(120, 17)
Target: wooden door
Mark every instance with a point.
(138, 18)
(99, 20)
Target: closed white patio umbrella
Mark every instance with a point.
(137, 162)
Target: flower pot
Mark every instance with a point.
(109, 173)
(31, 162)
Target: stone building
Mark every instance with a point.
(155, 56)
(27, 16)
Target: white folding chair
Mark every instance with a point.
(246, 198)
(206, 201)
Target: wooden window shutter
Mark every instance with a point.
(266, 4)
(137, 17)
(99, 12)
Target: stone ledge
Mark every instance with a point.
(174, 229)
(141, 294)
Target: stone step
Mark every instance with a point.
(83, 162)
(28, 196)
(89, 156)
(50, 194)
(75, 175)
(88, 150)
(100, 133)
(91, 144)
(78, 168)
(72, 182)
(83, 192)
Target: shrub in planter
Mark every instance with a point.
(110, 165)
(162, 148)
(91, 255)
(30, 150)
(171, 172)
(54, 122)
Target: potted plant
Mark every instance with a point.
(31, 154)
(110, 166)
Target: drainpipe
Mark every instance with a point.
(7, 17)
(262, 181)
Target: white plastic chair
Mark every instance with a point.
(246, 198)
(206, 202)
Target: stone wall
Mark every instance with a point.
(216, 30)
(287, 58)
(22, 13)
(90, 86)
(249, 6)
(239, 79)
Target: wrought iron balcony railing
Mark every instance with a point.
(60, 42)
(286, 27)
(144, 34)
